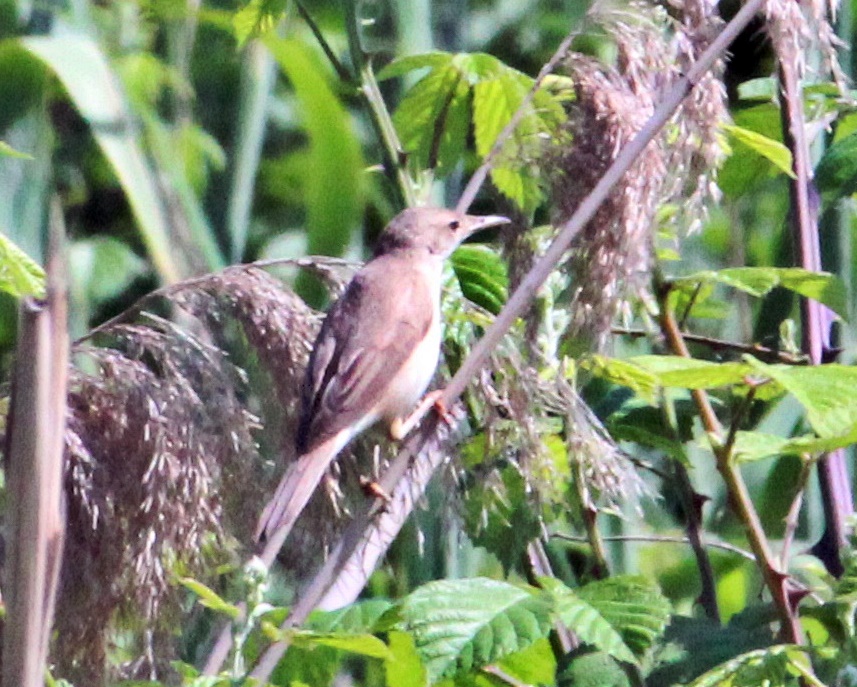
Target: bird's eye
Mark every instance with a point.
(454, 224)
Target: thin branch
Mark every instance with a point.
(344, 75)
(692, 507)
(739, 494)
(794, 510)
(762, 352)
(516, 305)
(379, 114)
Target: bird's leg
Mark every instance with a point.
(400, 427)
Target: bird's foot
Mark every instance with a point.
(400, 427)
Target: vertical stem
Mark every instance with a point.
(816, 319)
(742, 504)
(380, 116)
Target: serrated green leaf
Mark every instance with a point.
(8, 151)
(494, 103)
(482, 276)
(463, 624)
(824, 287)
(20, 275)
(433, 119)
(586, 621)
(209, 598)
(362, 644)
(771, 150)
(825, 391)
(633, 606)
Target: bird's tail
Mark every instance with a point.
(293, 493)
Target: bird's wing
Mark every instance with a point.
(367, 336)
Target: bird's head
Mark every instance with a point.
(436, 230)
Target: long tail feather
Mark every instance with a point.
(292, 495)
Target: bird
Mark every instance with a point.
(374, 356)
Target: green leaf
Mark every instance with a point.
(257, 18)
(826, 288)
(335, 163)
(836, 173)
(772, 666)
(403, 668)
(209, 598)
(482, 276)
(690, 373)
(535, 665)
(625, 373)
(825, 391)
(586, 668)
(433, 119)
(362, 616)
(771, 150)
(586, 621)
(94, 89)
(8, 151)
(463, 624)
(633, 606)
(752, 446)
(408, 63)
(20, 275)
(362, 644)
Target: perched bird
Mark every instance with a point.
(375, 355)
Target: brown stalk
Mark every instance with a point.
(34, 473)
(515, 307)
(835, 483)
(742, 504)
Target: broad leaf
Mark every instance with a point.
(535, 665)
(592, 669)
(825, 391)
(751, 446)
(482, 276)
(586, 621)
(772, 150)
(335, 164)
(94, 89)
(257, 18)
(773, 666)
(826, 288)
(463, 624)
(403, 668)
(690, 373)
(633, 606)
(20, 275)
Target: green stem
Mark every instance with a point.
(380, 115)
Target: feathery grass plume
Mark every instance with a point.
(798, 28)
(148, 439)
(611, 259)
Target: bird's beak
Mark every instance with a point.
(478, 223)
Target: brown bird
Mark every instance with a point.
(375, 355)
